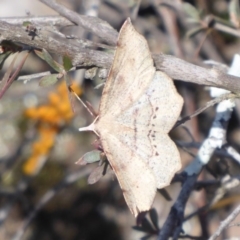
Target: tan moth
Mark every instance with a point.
(138, 108)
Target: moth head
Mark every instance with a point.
(90, 128)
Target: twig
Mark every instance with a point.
(8, 79)
(227, 29)
(56, 21)
(172, 66)
(181, 70)
(216, 138)
(208, 104)
(169, 19)
(224, 224)
(71, 178)
(233, 153)
(27, 78)
(95, 25)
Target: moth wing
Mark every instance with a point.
(157, 150)
(157, 109)
(135, 178)
(165, 160)
(131, 72)
(144, 126)
(165, 100)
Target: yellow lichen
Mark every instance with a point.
(50, 118)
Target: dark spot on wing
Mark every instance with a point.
(149, 132)
(156, 154)
(156, 108)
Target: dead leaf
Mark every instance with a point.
(89, 157)
(98, 173)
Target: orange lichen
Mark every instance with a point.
(50, 118)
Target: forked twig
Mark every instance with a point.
(208, 104)
(224, 224)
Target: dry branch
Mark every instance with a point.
(93, 24)
(83, 57)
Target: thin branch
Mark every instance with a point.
(224, 224)
(172, 66)
(216, 138)
(227, 29)
(27, 78)
(61, 46)
(181, 70)
(233, 153)
(71, 178)
(57, 21)
(95, 25)
(211, 103)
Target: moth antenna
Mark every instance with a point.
(89, 105)
(81, 101)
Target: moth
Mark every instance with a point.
(138, 108)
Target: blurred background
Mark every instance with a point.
(44, 194)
